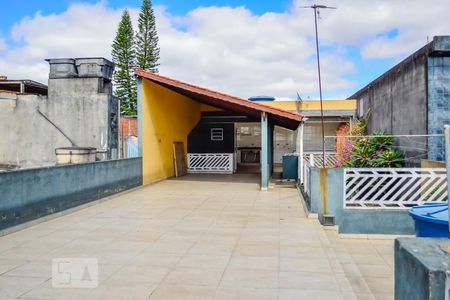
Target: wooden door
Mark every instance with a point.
(179, 159)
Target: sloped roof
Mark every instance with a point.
(227, 102)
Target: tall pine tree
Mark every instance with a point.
(124, 56)
(147, 39)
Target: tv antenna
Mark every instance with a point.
(317, 8)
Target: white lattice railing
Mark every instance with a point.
(316, 159)
(393, 188)
(210, 163)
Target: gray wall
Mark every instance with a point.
(357, 221)
(398, 103)
(420, 267)
(33, 193)
(80, 107)
(412, 98)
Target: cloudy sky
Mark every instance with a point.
(245, 48)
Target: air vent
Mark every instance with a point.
(328, 220)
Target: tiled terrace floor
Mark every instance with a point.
(203, 237)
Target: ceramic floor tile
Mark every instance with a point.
(120, 292)
(194, 276)
(380, 285)
(184, 292)
(375, 270)
(254, 262)
(11, 287)
(250, 279)
(292, 294)
(199, 237)
(246, 294)
(308, 281)
(305, 265)
(204, 261)
(47, 292)
(138, 274)
(36, 268)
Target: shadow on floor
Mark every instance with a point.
(237, 178)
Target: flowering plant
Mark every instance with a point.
(375, 151)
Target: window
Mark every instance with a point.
(245, 130)
(216, 134)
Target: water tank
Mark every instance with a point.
(431, 220)
(261, 98)
(75, 155)
(97, 67)
(62, 68)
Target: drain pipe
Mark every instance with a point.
(59, 129)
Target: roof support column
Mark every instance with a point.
(299, 150)
(264, 151)
(139, 112)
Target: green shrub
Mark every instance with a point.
(375, 151)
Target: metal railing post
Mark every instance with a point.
(447, 163)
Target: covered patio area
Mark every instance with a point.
(208, 124)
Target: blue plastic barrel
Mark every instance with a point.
(431, 220)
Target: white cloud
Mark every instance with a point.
(233, 50)
(364, 24)
(82, 30)
(2, 44)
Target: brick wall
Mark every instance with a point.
(341, 131)
(128, 126)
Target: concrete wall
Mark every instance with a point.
(167, 117)
(425, 163)
(80, 107)
(33, 193)
(412, 98)
(398, 103)
(327, 198)
(420, 267)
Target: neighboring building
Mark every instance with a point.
(77, 110)
(128, 126)
(338, 115)
(128, 136)
(412, 98)
(22, 86)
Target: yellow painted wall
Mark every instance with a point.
(204, 107)
(313, 105)
(166, 117)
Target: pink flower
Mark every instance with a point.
(347, 153)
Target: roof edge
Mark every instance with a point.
(215, 94)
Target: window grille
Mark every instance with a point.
(216, 134)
